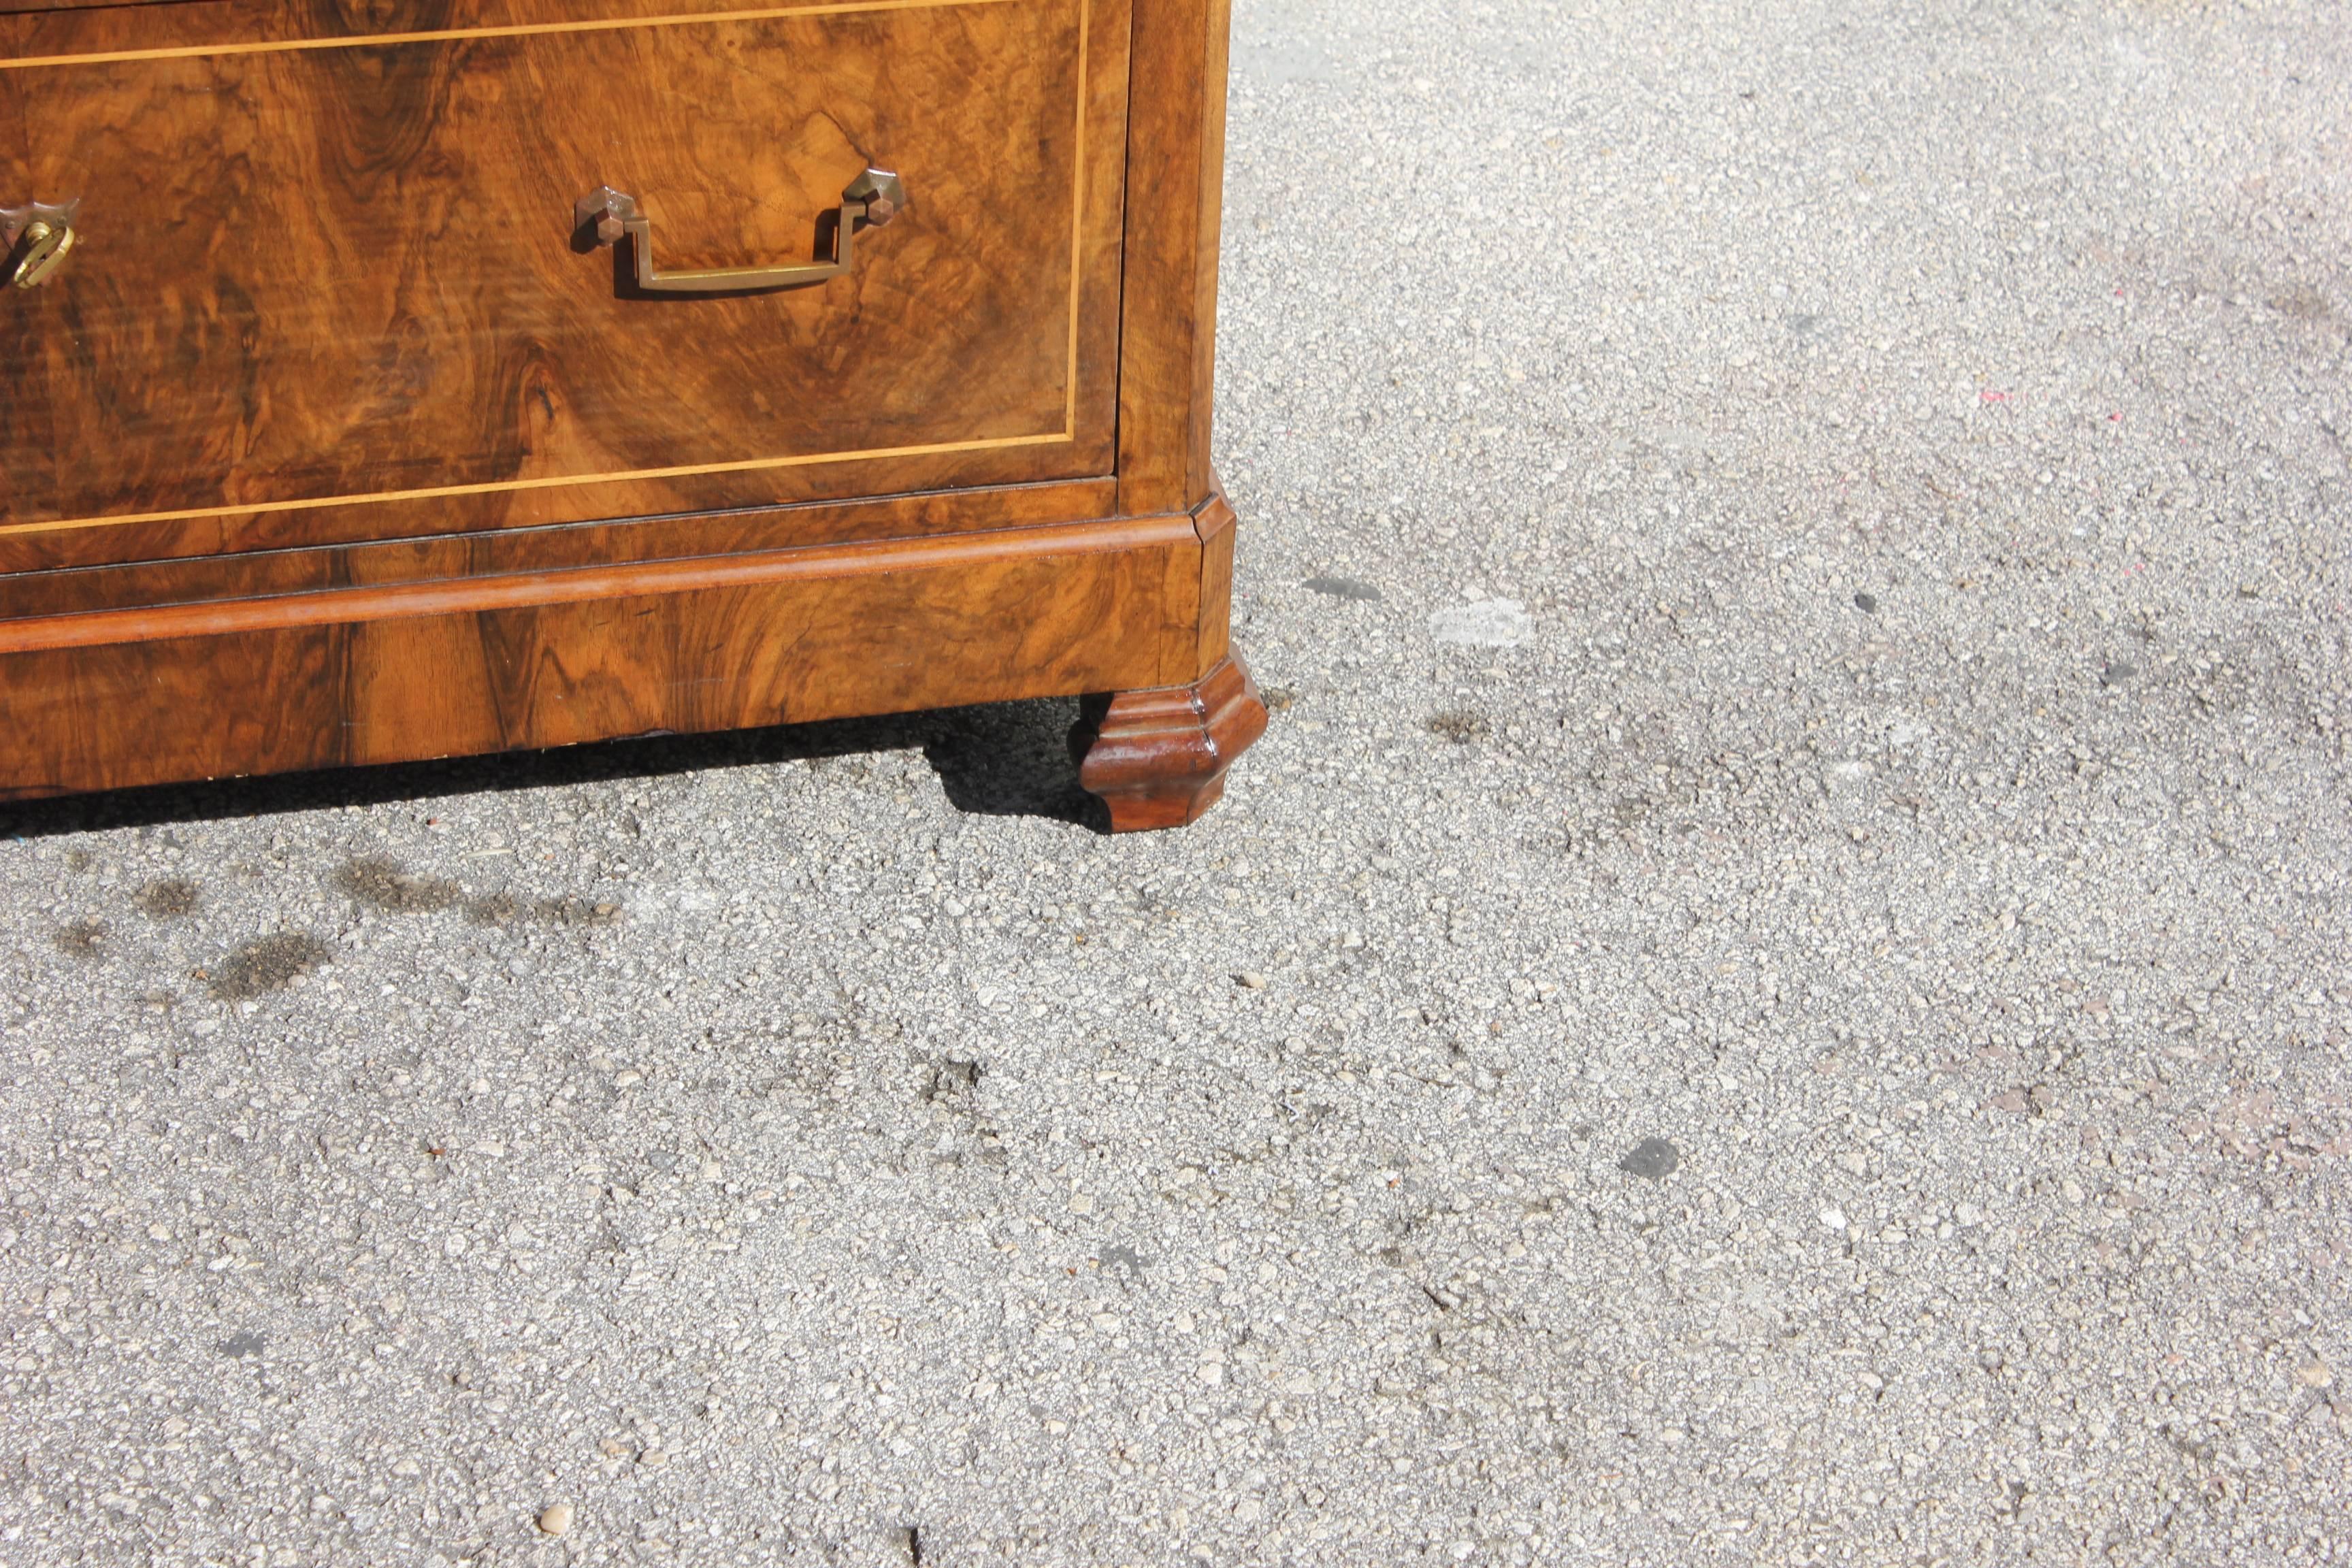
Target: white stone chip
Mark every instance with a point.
(1487, 623)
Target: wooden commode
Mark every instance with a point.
(415, 378)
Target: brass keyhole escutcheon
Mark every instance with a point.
(36, 238)
(44, 248)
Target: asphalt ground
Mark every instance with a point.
(1776, 993)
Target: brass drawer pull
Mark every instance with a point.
(605, 215)
(37, 237)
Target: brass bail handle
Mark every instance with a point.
(607, 217)
(38, 236)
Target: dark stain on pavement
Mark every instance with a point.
(502, 909)
(82, 938)
(1459, 725)
(493, 909)
(1652, 1159)
(169, 899)
(951, 1079)
(1129, 1263)
(270, 963)
(387, 885)
(576, 911)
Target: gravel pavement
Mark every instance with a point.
(1776, 993)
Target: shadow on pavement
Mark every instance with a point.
(1009, 759)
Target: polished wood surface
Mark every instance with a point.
(1158, 758)
(38, 6)
(346, 283)
(482, 665)
(269, 573)
(1214, 522)
(1175, 176)
(429, 484)
(36, 32)
(483, 591)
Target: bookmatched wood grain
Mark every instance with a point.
(424, 670)
(322, 289)
(349, 276)
(505, 552)
(32, 30)
(37, 5)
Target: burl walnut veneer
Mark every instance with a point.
(392, 379)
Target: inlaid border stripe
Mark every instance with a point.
(459, 35)
(1067, 434)
(1078, 218)
(548, 482)
(576, 584)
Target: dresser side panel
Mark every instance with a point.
(1175, 201)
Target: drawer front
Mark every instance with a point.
(337, 288)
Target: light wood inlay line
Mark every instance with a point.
(1078, 216)
(523, 589)
(548, 482)
(1068, 433)
(519, 30)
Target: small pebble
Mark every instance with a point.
(1866, 602)
(555, 1519)
(1250, 980)
(1833, 1217)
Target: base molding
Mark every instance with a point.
(487, 591)
(466, 665)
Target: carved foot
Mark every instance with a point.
(1158, 758)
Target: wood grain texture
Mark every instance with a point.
(1159, 758)
(791, 496)
(1028, 385)
(408, 601)
(554, 548)
(361, 311)
(1175, 181)
(37, 5)
(31, 35)
(421, 670)
(1214, 523)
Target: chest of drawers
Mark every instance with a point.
(393, 379)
